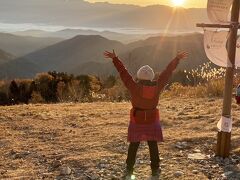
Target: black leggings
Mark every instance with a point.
(132, 151)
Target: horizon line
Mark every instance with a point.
(138, 5)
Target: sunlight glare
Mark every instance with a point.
(178, 2)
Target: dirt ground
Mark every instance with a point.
(88, 141)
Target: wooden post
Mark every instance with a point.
(224, 139)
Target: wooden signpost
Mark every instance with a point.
(224, 138)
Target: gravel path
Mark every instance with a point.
(88, 141)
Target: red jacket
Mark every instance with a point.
(138, 99)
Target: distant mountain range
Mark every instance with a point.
(84, 55)
(19, 45)
(79, 13)
(70, 33)
(159, 51)
(80, 51)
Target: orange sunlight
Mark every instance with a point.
(174, 3)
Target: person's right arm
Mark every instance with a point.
(124, 74)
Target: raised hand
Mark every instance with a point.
(182, 55)
(108, 54)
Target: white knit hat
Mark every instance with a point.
(145, 73)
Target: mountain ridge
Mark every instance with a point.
(103, 15)
(22, 45)
(70, 33)
(5, 57)
(84, 54)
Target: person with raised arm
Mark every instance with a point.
(144, 116)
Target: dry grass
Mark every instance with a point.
(84, 136)
(214, 88)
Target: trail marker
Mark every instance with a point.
(224, 138)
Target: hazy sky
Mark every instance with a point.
(187, 3)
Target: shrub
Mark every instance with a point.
(76, 93)
(47, 86)
(69, 92)
(14, 92)
(25, 89)
(3, 99)
(84, 84)
(118, 92)
(109, 82)
(36, 98)
(61, 86)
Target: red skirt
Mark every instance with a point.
(145, 132)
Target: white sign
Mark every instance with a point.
(215, 43)
(225, 124)
(219, 10)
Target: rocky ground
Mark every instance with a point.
(88, 141)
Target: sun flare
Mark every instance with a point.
(178, 2)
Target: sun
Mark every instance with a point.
(178, 2)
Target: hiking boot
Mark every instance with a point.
(156, 172)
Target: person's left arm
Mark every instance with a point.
(167, 73)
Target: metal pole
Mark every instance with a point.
(224, 139)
